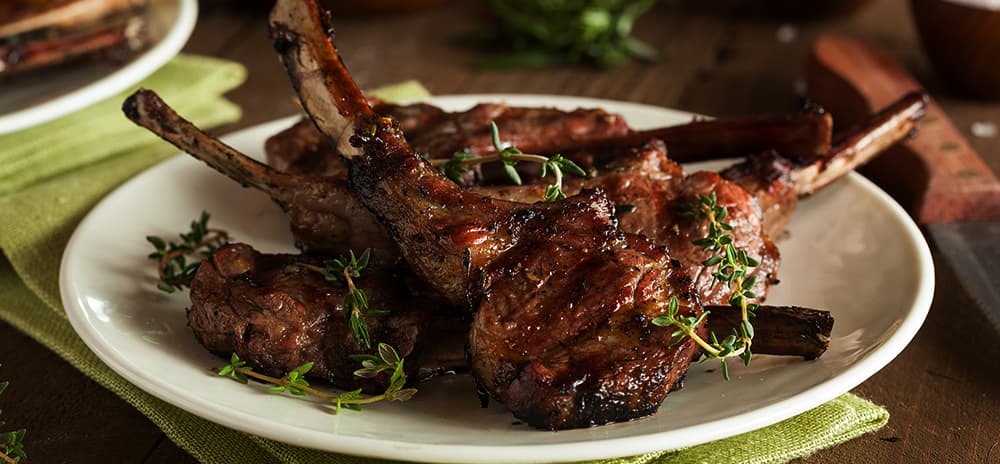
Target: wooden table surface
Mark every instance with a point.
(943, 391)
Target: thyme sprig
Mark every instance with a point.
(173, 266)
(294, 381)
(344, 270)
(12, 442)
(456, 166)
(539, 33)
(732, 267)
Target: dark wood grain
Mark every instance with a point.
(937, 171)
(723, 58)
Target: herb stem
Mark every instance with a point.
(529, 157)
(355, 305)
(736, 284)
(312, 391)
(732, 267)
(172, 265)
(311, 267)
(438, 162)
(214, 236)
(712, 351)
(6, 458)
(266, 378)
(689, 331)
(355, 308)
(294, 382)
(456, 166)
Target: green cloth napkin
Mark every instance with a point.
(54, 174)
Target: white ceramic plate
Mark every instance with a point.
(851, 249)
(46, 94)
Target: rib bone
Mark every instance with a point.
(325, 217)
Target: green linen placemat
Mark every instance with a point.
(59, 171)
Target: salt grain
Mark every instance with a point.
(787, 33)
(800, 87)
(986, 130)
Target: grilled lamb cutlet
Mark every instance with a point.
(39, 33)
(277, 315)
(562, 333)
(588, 136)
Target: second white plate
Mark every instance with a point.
(851, 249)
(45, 94)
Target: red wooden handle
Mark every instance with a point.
(936, 174)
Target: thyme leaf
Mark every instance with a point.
(175, 269)
(11, 442)
(344, 270)
(540, 33)
(732, 266)
(386, 361)
(456, 167)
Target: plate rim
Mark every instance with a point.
(860, 370)
(118, 80)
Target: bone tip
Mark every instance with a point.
(921, 99)
(131, 104)
(143, 101)
(917, 97)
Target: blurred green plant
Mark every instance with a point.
(11, 443)
(547, 32)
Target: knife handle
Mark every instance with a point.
(936, 174)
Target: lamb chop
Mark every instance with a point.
(531, 335)
(562, 332)
(277, 314)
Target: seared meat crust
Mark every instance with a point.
(277, 315)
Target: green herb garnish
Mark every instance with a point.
(456, 166)
(733, 265)
(344, 270)
(175, 270)
(596, 32)
(12, 442)
(294, 382)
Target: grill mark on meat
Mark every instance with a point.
(278, 316)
